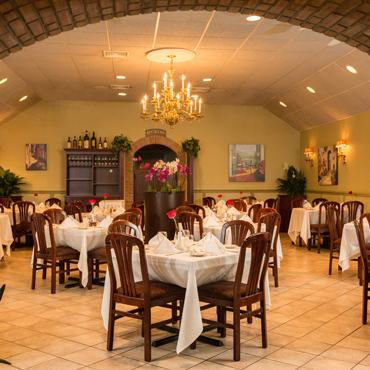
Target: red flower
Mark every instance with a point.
(350, 192)
(35, 195)
(105, 196)
(171, 214)
(241, 192)
(220, 196)
(230, 203)
(92, 201)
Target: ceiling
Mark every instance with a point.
(251, 63)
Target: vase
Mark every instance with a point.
(156, 206)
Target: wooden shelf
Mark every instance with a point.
(105, 166)
(77, 179)
(89, 166)
(106, 183)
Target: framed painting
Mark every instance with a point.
(328, 165)
(246, 163)
(36, 157)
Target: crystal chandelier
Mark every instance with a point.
(171, 108)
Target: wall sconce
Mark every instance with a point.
(341, 144)
(308, 152)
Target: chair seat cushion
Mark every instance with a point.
(98, 253)
(321, 226)
(67, 251)
(220, 290)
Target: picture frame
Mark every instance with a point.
(36, 157)
(328, 165)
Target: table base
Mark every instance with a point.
(99, 281)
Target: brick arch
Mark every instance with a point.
(129, 163)
(31, 21)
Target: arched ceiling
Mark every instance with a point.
(251, 63)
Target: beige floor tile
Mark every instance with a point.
(57, 364)
(38, 340)
(29, 359)
(320, 335)
(361, 367)
(277, 339)
(16, 334)
(9, 349)
(355, 343)
(290, 357)
(118, 362)
(256, 349)
(175, 362)
(346, 354)
(138, 353)
(326, 363)
(91, 338)
(205, 365)
(62, 348)
(265, 364)
(227, 359)
(308, 346)
(88, 356)
(119, 345)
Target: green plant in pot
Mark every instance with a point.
(191, 147)
(9, 183)
(295, 183)
(121, 142)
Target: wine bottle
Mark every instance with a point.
(105, 144)
(69, 144)
(100, 145)
(86, 141)
(93, 141)
(75, 143)
(80, 143)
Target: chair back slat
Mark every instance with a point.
(270, 203)
(365, 253)
(128, 216)
(184, 209)
(5, 202)
(23, 208)
(325, 205)
(334, 223)
(73, 210)
(353, 207)
(52, 201)
(206, 202)
(137, 203)
(297, 203)
(187, 220)
(265, 211)
(123, 227)
(138, 212)
(80, 205)
(239, 229)
(259, 246)
(317, 201)
(55, 215)
(249, 199)
(238, 204)
(254, 210)
(199, 210)
(272, 221)
(38, 223)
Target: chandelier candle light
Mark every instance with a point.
(171, 108)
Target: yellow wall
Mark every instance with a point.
(51, 122)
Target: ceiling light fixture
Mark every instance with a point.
(121, 77)
(23, 98)
(3, 80)
(351, 69)
(122, 94)
(171, 108)
(310, 89)
(283, 104)
(207, 79)
(253, 18)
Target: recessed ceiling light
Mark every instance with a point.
(283, 104)
(122, 94)
(253, 18)
(351, 69)
(121, 77)
(23, 98)
(310, 89)
(207, 79)
(3, 80)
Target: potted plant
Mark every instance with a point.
(9, 183)
(121, 142)
(295, 183)
(191, 147)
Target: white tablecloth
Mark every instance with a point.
(187, 272)
(6, 235)
(9, 213)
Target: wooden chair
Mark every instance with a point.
(232, 295)
(23, 227)
(265, 211)
(239, 229)
(365, 258)
(55, 215)
(270, 203)
(212, 201)
(1, 208)
(198, 209)
(73, 210)
(335, 230)
(143, 295)
(142, 207)
(187, 220)
(206, 202)
(272, 221)
(128, 216)
(6, 202)
(52, 201)
(137, 204)
(181, 209)
(321, 229)
(249, 199)
(317, 201)
(53, 257)
(297, 203)
(138, 212)
(80, 205)
(353, 206)
(252, 212)
(239, 205)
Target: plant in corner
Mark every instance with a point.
(9, 183)
(121, 142)
(191, 147)
(295, 183)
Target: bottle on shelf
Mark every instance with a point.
(86, 141)
(93, 141)
(75, 143)
(105, 144)
(100, 145)
(80, 143)
(69, 144)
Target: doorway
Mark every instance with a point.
(149, 154)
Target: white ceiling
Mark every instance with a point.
(251, 63)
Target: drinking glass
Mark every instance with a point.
(186, 232)
(191, 241)
(164, 233)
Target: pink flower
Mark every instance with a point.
(147, 165)
(134, 159)
(92, 201)
(350, 192)
(142, 165)
(139, 159)
(171, 214)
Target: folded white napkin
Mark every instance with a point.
(233, 211)
(246, 218)
(74, 220)
(208, 211)
(212, 245)
(153, 242)
(317, 207)
(106, 222)
(164, 247)
(97, 210)
(67, 224)
(221, 210)
(221, 203)
(119, 211)
(210, 220)
(55, 206)
(41, 205)
(307, 205)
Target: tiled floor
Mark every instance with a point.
(314, 323)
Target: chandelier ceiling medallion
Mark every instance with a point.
(171, 108)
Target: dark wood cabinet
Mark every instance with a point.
(91, 173)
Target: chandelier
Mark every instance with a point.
(171, 108)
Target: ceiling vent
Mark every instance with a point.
(120, 87)
(115, 54)
(200, 89)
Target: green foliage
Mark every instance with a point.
(295, 184)
(119, 142)
(191, 147)
(9, 183)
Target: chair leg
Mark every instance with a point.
(80, 279)
(275, 269)
(300, 241)
(174, 312)
(250, 319)
(223, 313)
(90, 276)
(360, 271)
(364, 301)
(318, 241)
(44, 271)
(236, 338)
(33, 284)
(264, 325)
(54, 277)
(330, 258)
(218, 308)
(147, 335)
(61, 274)
(193, 345)
(97, 267)
(68, 268)
(309, 244)
(110, 334)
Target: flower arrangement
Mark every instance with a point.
(230, 202)
(92, 202)
(172, 215)
(105, 196)
(159, 173)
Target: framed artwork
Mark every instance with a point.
(328, 165)
(246, 163)
(36, 157)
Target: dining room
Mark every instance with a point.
(190, 179)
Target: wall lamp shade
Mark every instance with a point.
(308, 152)
(340, 145)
